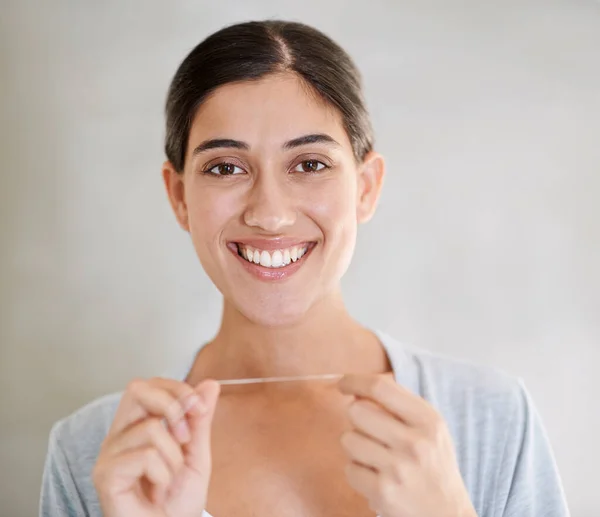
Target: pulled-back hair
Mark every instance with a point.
(252, 50)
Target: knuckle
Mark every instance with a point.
(136, 385)
(419, 448)
(378, 386)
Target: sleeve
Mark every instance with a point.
(528, 481)
(59, 495)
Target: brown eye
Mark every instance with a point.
(225, 169)
(310, 166)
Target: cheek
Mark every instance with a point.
(209, 210)
(334, 208)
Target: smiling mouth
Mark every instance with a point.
(274, 259)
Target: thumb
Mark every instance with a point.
(197, 450)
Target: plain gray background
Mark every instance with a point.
(486, 244)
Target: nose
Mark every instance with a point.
(270, 206)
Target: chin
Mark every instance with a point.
(277, 313)
(275, 318)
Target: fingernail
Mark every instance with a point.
(201, 406)
(190, 402)
(182, 431)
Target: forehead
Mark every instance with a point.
(266, 112)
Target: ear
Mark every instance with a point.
(175, 187)
(370, 181)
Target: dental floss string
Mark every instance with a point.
(326, 376)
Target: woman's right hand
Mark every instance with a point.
(156, 458)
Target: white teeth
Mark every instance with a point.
(277, 259)
(265, 259)
(274, 259)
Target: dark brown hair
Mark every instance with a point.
(252, 50)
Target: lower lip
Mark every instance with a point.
(268, 274)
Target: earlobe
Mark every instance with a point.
(175, 188)
(372, 172)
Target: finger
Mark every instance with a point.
(157, 473)
(150, 432)
(378, 489)
(365, 451)
(364, 480)
(122, 472)
(156, 397)
(376, 423)
(396, 399)
(198, 451)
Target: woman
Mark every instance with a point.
(270, 169)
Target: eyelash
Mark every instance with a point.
(209, 170)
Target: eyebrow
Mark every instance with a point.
(317, 138)
(228, 143)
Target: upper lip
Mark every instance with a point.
(278, 243)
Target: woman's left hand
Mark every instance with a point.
(401, 454)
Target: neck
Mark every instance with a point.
(326, 340)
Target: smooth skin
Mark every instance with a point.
(273, 183)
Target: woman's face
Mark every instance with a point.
(271, 195)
